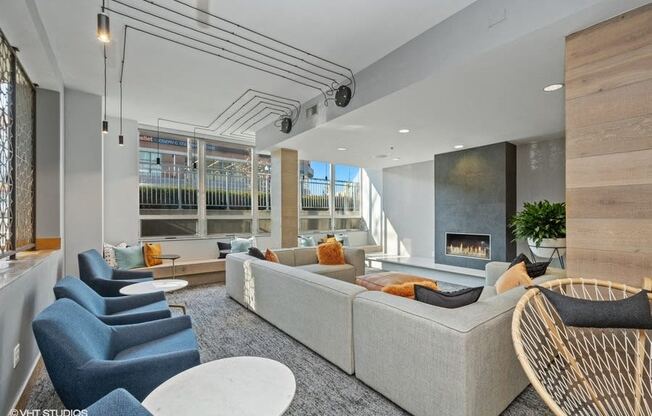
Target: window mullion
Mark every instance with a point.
(201, 188)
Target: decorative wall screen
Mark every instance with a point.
(17, 154)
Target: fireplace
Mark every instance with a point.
(474, 246)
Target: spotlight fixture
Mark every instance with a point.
(103, 27)
(286, 125)
(121, 140)
(553, 87)
(343, 96)
(458, 146)
(105, 127)
(342, 149)
(404, 131)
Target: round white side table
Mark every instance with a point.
(238, 386)
(160, 285)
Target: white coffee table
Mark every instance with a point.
(160, 285)
(238, 386)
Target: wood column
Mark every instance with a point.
(609, 149)
(285, 199)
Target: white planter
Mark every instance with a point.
(547, 247)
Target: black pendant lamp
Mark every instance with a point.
(105, 122)
(103, 26)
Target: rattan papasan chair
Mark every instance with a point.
(580, 370)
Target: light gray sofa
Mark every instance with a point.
(314, 309)
(432, 360)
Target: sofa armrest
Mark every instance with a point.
(356, 258)
(493, 271)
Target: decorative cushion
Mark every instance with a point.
(255, 252)
(343, 238)
(241, 245)
(150, 251)
(129, 257)
(514, 276)
(271, 256)
(330, 253)
(307, 241)
(520, 258)
(109, 254)
(450, 300)
(633, 312)
(223, 249)
(537, 269)
(407, 289)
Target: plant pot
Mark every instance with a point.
(547, 247)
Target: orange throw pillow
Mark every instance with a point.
(514, 276)
(330, 254)
(150, 250)
(406, 290)
(271, 256)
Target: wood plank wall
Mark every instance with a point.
(609, 149)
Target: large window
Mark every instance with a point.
(330, 197)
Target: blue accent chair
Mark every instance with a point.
(86, 359)
(97, 274)
(117, 403)
(114, 311)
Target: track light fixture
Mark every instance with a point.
(103, 27)
(121, 140)
(286, 125)
(105, 123)
(343, 96)
(105, 127)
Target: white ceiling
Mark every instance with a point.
(495, 98)
(169, 81)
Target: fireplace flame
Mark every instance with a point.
(476, 250)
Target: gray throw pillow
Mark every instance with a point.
(450, 300)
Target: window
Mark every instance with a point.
(330, 197)
(264, 178)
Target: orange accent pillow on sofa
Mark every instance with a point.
(406, 290)
(150, 250)
(514, 276)
(271, 256)
(330, 254)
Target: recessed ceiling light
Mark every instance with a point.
(403, 131)
(458, 146)
(341, 149)
(553, 87)
(396, 158)
(380, 156)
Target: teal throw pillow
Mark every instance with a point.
(241, 245)
(129, 257)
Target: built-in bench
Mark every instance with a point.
(196, 272)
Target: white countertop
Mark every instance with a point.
(25, 261)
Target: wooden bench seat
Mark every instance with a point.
(196, 272)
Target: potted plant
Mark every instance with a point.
(543, 225)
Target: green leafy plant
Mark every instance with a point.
(539, 220)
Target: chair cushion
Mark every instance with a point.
(179, 341)
(152, 307)
(344, 272)
(129, 257)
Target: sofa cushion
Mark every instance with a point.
(304, 256)
(330, 253)
(271, 256)
(151, 251)
(255, 252)
(407, 289)
(513, 277)
(129, 257)
(450, 300)
(344, 272)
(286, 256)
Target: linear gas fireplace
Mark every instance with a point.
(475, 246)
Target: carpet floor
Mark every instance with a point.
(226, 329)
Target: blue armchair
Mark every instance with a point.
(106, 281)
(114, 311)
(117, 403)
(86, 359)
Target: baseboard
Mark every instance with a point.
(28, 385)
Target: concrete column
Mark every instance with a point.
(285, 200)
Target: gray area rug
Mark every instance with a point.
(226, 329)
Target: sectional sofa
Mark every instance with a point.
(426, 359)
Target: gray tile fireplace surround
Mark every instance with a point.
(475, 193)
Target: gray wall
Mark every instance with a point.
(121, 183)
(541, 168)
(475, 192)
(49, 173)
(408, 205)
(20, 301)
(83, 175)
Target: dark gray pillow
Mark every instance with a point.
(633, 312)
(255, 252)
(537, 269)
(520, 258)
(224, 249)
(450, 300)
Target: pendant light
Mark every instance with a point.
(121, 138)
(103, 26)
(105, 122)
